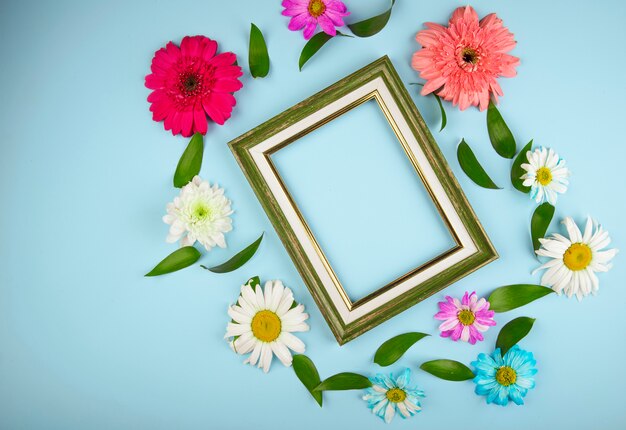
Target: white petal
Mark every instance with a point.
(588, 230)
(267, 294)
(266, 357)
(282, 353)
(465, 334)
(277, 293)
(448, 324)
(389, 412)
(254, 357)
(234, 329)
(292, 342)
(380, 405)
(248, 294)
(285, 302)
(260, 300)
(244, 343)
(239, 315)
(572, 230)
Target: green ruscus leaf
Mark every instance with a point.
(516, 170)
(449, 370)
(512, 332)
(501, 137)
(238, 259)
(307, 374)
(344, 381)
(510, 297)
(373, 25)
(444, 118)
(472, 167)
(540, 222)
(190, 162)
(315, 44)
(258, 58)
(179, 259)
(391, 350)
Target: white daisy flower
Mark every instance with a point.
(575, 260)
(200, 212)
(263, 321)
(546, 174)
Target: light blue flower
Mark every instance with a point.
(388, 395)
(506, 378)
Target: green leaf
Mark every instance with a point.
(307, 374)
(512, 332)
(391, 350)
(510, 297)
(179, 259)
(344, 381)
(238, 259)
(254, 282)
(516, 170)
(190, 162)
(449, 370)
(472, 167)
(258, 59)
(315, 44)
(540, 222)
(501, 137)
(373, 25)
(444, 118)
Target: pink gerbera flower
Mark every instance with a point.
(308, 13)
(190, 83)
(462, 61)
(465, 319)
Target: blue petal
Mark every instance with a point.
(404, 379)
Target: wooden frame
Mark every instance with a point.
(378, 81)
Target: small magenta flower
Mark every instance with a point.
(308, 14)
(465, 319)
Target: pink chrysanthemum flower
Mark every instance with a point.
(308, 13)
(191, 82)
(463, 61)
(465, 319)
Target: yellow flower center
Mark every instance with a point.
(544, 176)
(266, 326)
(577, 256)
(396, 395)
(316, 8)
(466, 317)
(506, 376)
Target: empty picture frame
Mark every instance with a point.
(471, 249)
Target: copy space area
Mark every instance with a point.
(363, 200)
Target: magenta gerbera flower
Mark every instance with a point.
(463, 61)
(308, 13)
(191, 82)
(465, 319)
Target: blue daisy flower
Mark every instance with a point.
(506, 378)
(388, 395)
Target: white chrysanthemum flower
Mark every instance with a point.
(546, 174)
(263, 321)
(575, 261)
(200, 212)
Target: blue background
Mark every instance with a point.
(87, 342)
